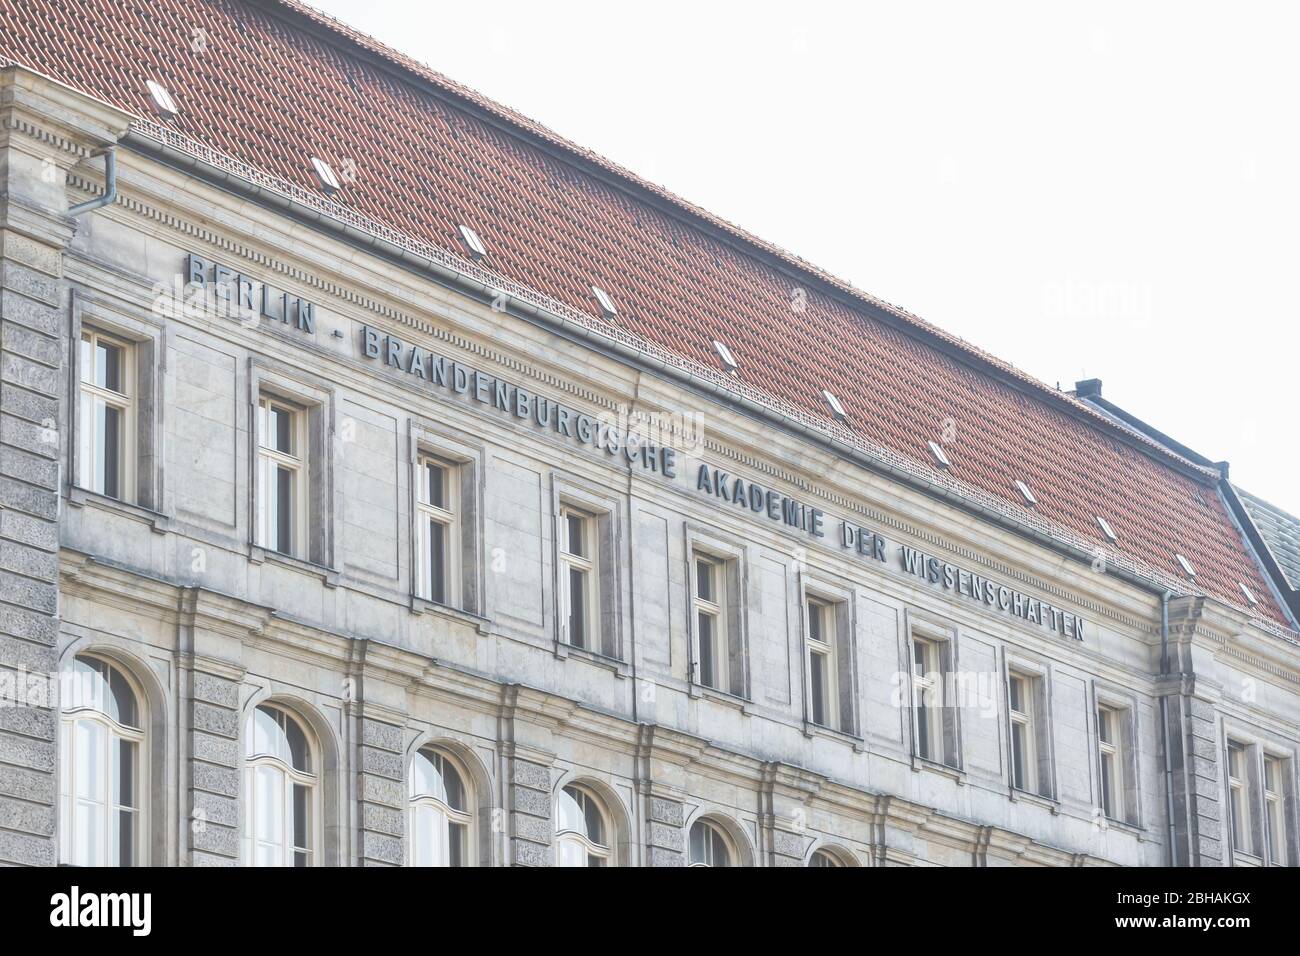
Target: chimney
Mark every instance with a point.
(1088, 388)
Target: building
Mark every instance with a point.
(385, 480)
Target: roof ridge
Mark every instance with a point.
(843, 286)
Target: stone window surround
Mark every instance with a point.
(732, 829)
(318, 399)
(1125, 702)
(617, 815)
(569, 490)
(145, 332)
(730, 550)
(1018, 662)
(469, 456)
(1258, 744)
(940, 630)
(841, 596)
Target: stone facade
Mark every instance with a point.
(171, 587)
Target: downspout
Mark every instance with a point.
(1164, 728)
(110, 186)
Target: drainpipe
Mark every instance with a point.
(110, 186)
(1164, 728)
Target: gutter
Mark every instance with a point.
(1164, 730)
(110, 186)
(559, 324)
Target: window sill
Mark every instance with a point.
(1111, 823)
(421, 605)
(721, 697)
(1242, 858)
(1037, 799)
(259, 555)
(943, 769)
(80, 497)
(811, 729)
(620, 668)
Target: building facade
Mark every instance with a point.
(324, 543)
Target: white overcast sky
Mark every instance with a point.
(1108, 190)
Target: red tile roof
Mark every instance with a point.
(272, 84)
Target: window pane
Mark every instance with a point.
(919, 655)
(301, 819)
(435, 485)
(817, 671)
(708, 673)
(577, 544)
(457, 842)
(595, 825)
(577, 607)
(125, 855)
(125, 773)
(108, 367)
(923, 731)
(1018, 756)
(1107, 784)
(1103, 726)
(437, 558)
(815, 622)
(283, 511)
(282, 430)
(704, 580)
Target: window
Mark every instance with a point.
(439, 812)
(437, 538)
(281, 477)
(280, 787)
(1111, 761)
(935, 723)
(711, 624)
(1031, 767)
(823, 858)
(709, 846)
(822, 695)
(581, 829)
(101, 770)
(579, 579)
(1239, 797)
(107, 416)
(1275, 811)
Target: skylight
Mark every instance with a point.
(162, 100)
(1026, 493)
(1106, 529)
(473, 243)
(326, 175)
(1250, 595)
(1186, 565)
(725, 354)
(835, 405)
(606, 303)
(940, 458)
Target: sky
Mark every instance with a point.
(1106, 190)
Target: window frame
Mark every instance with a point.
(451, 816)
(142, 777)
(291, 776)
(464, 457)
(727, 555)
(1240, 790)
(316, 401)
(1277, 829)
(448, 517)
(125, 402)
(606, 575)
(588, 568)
(1040, 755)
(944, 734)
(1123, 706)
(269, 461)
(607, 852)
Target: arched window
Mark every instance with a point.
(581, 829)
(709, 846)
(440, 813)
(281, 787)
(824, 858)
(101, 773)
